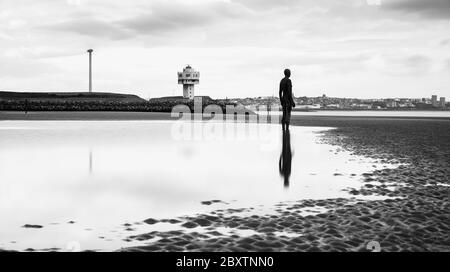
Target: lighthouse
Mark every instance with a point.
(189, 77)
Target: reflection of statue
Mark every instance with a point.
(286, 158)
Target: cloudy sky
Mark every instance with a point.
(352, 48)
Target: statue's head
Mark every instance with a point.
(287, 72)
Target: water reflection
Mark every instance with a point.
(145, 170)
(285, 162)
(90, 162)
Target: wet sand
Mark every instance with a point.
(414, 217)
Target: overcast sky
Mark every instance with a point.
(351, 48)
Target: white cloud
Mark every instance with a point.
(343, 48)
(75, 2)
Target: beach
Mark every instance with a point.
(399, 208)
(414, 218)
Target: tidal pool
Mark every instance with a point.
(82, 180)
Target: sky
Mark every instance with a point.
(345, 48)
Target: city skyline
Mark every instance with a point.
(353, 48)
(343, 97)
(343, 103)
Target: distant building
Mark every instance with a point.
(434, 101)
(442, 102)
(390, 103)
(189, 77)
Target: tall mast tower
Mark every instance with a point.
(90, 69)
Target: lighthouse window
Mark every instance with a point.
(188, 75)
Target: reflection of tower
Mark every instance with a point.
(90, 69)
(189, 77)
(90, 161)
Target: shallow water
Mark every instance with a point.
(101, 175)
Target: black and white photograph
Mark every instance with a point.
(224, 126)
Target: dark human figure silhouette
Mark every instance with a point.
(286, 99)
(285, 161)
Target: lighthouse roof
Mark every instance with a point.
(188, 76)
(188, 68)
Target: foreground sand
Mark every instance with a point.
(414, 218)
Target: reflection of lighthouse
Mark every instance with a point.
(189, 77)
